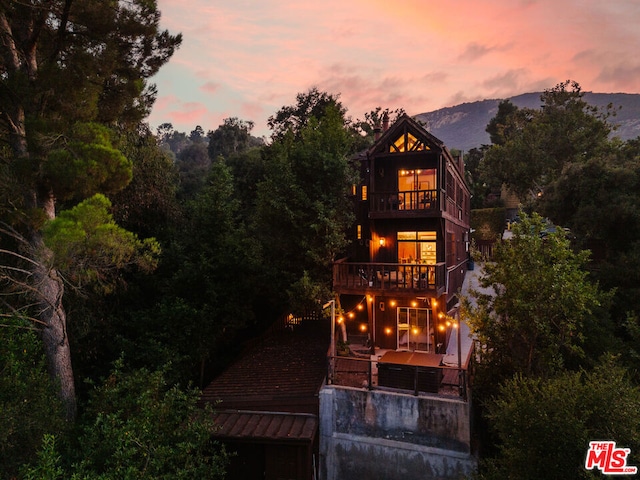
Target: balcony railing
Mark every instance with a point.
(414, 277)
(367, 373)
(414, 200)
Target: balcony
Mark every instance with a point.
(414, 203)
(412, 278)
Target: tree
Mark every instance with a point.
(29, 408)
(215, 270)
(193, 165)
(598, 200)
(135, 425)
(533, 146)
(147, 205)
(89, 247)
(303, 209)
(480, 188)
(248, 170)
(171, 140)
(232, 137)
(543, 302)
(507, 120)
(365, 130)
(294, 118)
(197, 135)
(544, 426)
(66, 67)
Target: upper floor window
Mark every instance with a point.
(417, 247)
(364, 192)
(407, 142)
(409, 180)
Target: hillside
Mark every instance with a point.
(463, 126)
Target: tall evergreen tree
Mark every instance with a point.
(68, 67)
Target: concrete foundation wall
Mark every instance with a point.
(387, 435)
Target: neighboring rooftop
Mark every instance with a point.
(283, 372)
(266, 426)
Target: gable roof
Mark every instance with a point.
(403, 126)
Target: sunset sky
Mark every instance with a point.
(247, 59)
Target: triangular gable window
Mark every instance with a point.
(407, 142)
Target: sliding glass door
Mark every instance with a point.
(415, 329)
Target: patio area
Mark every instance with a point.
(402, 372)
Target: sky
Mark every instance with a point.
(247, 59)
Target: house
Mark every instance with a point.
(410, 241)
(398, 405)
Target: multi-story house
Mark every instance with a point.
(410, 241)
(398, 405)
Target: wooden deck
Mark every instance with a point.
(413, 278)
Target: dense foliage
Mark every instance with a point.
(28, 406)
(533, 317)
(563, 162)
(546, 383)
(238, 238)
(73, 73)
(135, 426)
(544, 426)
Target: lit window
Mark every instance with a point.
(359, 232)
(407, 142)
(364, 192)
(417, 247)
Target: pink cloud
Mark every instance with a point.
(164, 101)
(248, 61)
(190, 113)
(252, 110)
(210, 87)
(621, 77)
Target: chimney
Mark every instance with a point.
(377, 132)
(385, 121)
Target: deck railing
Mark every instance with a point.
(399, 201)
(361, 372)
(382, 276)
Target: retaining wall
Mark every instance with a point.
(388, 435)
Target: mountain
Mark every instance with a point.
(463, 126)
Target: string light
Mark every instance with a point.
(351, 314)
(448, 322)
